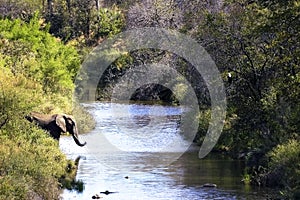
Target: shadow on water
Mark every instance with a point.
(139, 172)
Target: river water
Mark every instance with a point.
(137, 152)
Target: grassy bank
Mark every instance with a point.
(36, 74)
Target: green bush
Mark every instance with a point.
(285, 166)
(30, 161)
(30, 167)
(28, 49)
(111, 22)
(36, 74)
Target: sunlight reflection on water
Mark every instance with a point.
(137, 167)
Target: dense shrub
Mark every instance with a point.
(28, 49)
(30, 168)
(285, 166)
(30, 161)
(111, 21)
(36, 74)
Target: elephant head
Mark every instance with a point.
(56, 124)
(68, 124)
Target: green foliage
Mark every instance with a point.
(84, 21)
(111, 21)
(37, 55)
(30, 167)
(258, 43)
(285, 165)
(203, 118)
(30, 161)
(36, 74)
(262, 58)
(16, 94)
(246, 179)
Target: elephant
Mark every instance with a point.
(56, 124)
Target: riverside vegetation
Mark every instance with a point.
(257, 42)
(36, 73)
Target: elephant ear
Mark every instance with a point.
(61, 122)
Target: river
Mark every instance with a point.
(126, 155)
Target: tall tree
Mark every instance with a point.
(263, 58)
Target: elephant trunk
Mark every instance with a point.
(78, 142)
(75, 137)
